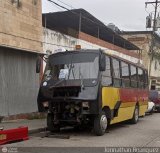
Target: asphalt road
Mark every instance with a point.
(146, 133)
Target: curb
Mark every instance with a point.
(33, 131)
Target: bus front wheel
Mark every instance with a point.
(100, 124)
(50, 124)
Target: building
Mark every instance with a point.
(65, 30)
(20, 43)
(143, 39)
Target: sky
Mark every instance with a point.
(128, 15)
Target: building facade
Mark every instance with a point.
(143, 39)
(20, 43)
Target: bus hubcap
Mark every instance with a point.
(103, 122)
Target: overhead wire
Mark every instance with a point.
(66, 4)
(59, 5)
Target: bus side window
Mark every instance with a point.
(145, 79)
(140, 78)
(106, 75)
(116, 72)
(125, 75)
(134, 80)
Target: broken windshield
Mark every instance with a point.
(73, 66)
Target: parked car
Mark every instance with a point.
(157, 105)
(154, 96)
(151, 107)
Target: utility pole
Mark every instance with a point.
(155, 12)
(152, 38)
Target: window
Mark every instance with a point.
(116, 73)
(133, 70)
(140, 75)
(106, 76)
(133, 73)
(153, 87)
(140, 78)
(17, 3)
(146, 79)
(125, 74)
(116, 69)
(107, 72)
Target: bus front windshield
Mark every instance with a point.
(73, 66)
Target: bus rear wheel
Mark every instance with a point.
(100, 124)
(135, 117)
(50, 124)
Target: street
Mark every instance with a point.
(144, 134)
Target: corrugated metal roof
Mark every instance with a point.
(61, 21)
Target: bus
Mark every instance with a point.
(90, 88)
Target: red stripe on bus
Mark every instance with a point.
(133, 95)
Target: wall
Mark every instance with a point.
(54, 41)
(143, 42)
(19, 83)
(21, 26)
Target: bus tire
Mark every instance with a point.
(50, 124)
(100, 124)
(135, 117)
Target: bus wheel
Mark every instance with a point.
(135, 118)
(50, 124)
(100, 124)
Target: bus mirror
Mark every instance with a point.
(102, 62)
(38, 65)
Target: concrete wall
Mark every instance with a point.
(54, 41)
(19, 82)
(21, 25)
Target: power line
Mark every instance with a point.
(59, 5)
(59, 8)
(66, 4)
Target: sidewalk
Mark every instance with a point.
(34, 126)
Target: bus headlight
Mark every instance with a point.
(45, 104)
(44, 83)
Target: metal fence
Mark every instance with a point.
(19, 82)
